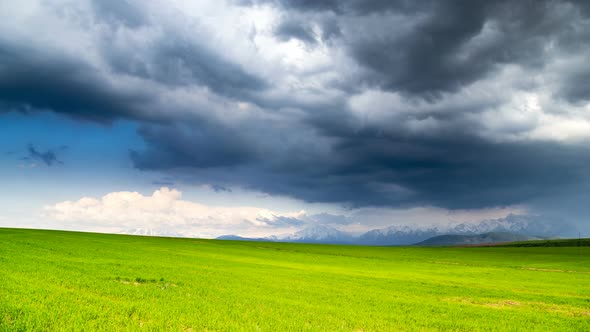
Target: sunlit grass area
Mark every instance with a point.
(53, 280)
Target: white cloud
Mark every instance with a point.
(166, 212)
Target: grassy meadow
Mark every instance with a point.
(53, 281)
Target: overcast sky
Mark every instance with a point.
(262, 117)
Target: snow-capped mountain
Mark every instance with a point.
(319, 234)
(404, 234)
(396, 235)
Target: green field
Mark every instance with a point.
(52, 280)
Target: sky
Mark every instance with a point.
(263, 117)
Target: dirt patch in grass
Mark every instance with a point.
(538, 306)
(142, 281)
(500, 304)
(447, 263)
(554, 270)
(487, 302)
(568, 311)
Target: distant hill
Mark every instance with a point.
(585, 242)
(485, 238)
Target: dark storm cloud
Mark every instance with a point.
(176, 61)
(425, 60)
(441, 46)
(174, 58)
(346, 6)
(185, 61)
(451, 173)
(456, 171)
(302, 145)
(202, 145)
(37, 77)
(291, 28)
(467, 172)
(31, 78)
(576, 87)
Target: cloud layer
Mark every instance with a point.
(453, 104)
(164, 212)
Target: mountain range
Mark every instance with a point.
(485, 238)
(509, 229)
(521, 228)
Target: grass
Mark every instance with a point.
(53, 280)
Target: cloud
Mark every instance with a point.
(576, 86)
(432, 47)
(106, 71)
(64, 84)
(191, 146)
(219, 188)
(48, 157)
(166, 210)
(385, 103)
(175, 61)
(119, 12)
(291, 28)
